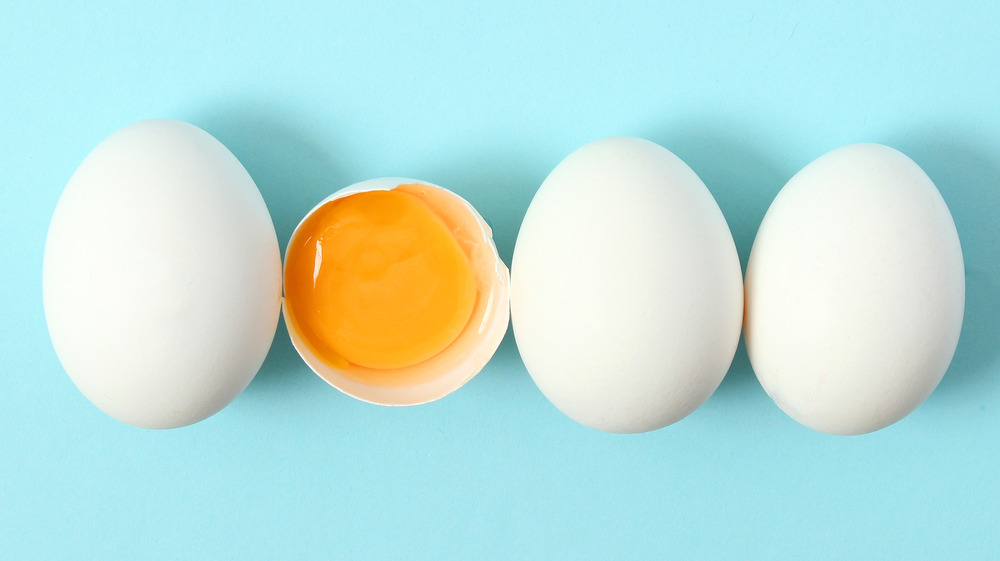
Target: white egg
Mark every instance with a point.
(313, 272)
(855, 291)
(626, 288)
(162, 276)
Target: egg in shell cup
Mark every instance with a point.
(394, 292)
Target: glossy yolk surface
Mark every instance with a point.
(377, 279)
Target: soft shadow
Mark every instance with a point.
(744, 181)
(505, 373)
(294, 170)
(969, 181)
(282, 360)
(507, 354)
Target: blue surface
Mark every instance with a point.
(485, 100)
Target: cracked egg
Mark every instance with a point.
(394, 292)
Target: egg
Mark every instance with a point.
(855, 291)
(161, 276)
(394, 291)
(626, 287)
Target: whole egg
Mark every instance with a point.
(162, 276)
(626, 288)
(855, 291)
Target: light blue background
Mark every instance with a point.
(486, 99)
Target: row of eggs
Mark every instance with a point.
(163, 284)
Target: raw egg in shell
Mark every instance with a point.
(394, 291)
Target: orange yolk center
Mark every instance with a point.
(378, 280)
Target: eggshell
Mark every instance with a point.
(162, 276)
(855, 291)
(626, 288)
(465, 357)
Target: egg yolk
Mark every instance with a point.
(378, 280)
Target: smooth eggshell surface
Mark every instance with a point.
(626, 288)
(162, 276)
(855, 291)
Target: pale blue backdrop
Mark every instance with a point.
(485, 98)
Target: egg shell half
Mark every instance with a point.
(626, 288)
(467, 355)
(855, 291)
(162, 276)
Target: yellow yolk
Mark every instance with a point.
(378, 280)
